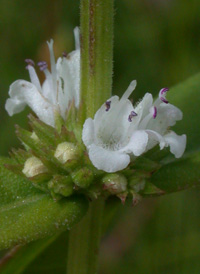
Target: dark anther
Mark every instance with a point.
(108, 103)
(132, 114)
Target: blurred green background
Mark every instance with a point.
(156, 42)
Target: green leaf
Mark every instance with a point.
(24, 255)
(178, 175)
(49, 255)
(27, 214)
(186, 96)
(12, 186)
(36, 217)
(53, 259)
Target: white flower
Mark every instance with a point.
(60, 87)
(119, 130)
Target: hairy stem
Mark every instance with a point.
(84, 241)
(96, 54)
(96, 84)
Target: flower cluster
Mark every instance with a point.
(58, 90)
(56, 159)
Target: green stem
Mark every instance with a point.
(96, 54)
(84, 241)
(96, 85)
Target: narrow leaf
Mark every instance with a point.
(178, 175)
(17, 261)
(27, 214)
(37, 217)
(186, 96)
(12, 186)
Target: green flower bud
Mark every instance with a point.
(115, 183)
(83, 177)
(33, 166)
(62, 185)
(66, 151)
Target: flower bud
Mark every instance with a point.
(62, 185)
(33, 166)
(83, 177)
(115, 183)
(66, 151)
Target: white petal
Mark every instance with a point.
(17, 102)
(14, 106)
(68, 70)
(109, 161)
(74, 66)
(143, 107)
(155, 138)
(22, 93)
(101, 112)
(138, 143)
(102, 116)
(77, 37)
(34, 78)
(112, 126)
(171, 113)
(88, 132)
(167, 115)
(53, 64)
(129, 90)
(47, 90)
(66, 89)
(176, 143)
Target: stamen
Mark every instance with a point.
(108, 103)
(64, 54)
(30, 62)
(162, 95)
(164, 100)
(42, 65)
(133, 114)
(163, 90)
(154, 112)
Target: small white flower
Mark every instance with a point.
(60, 87)
(119, 130)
